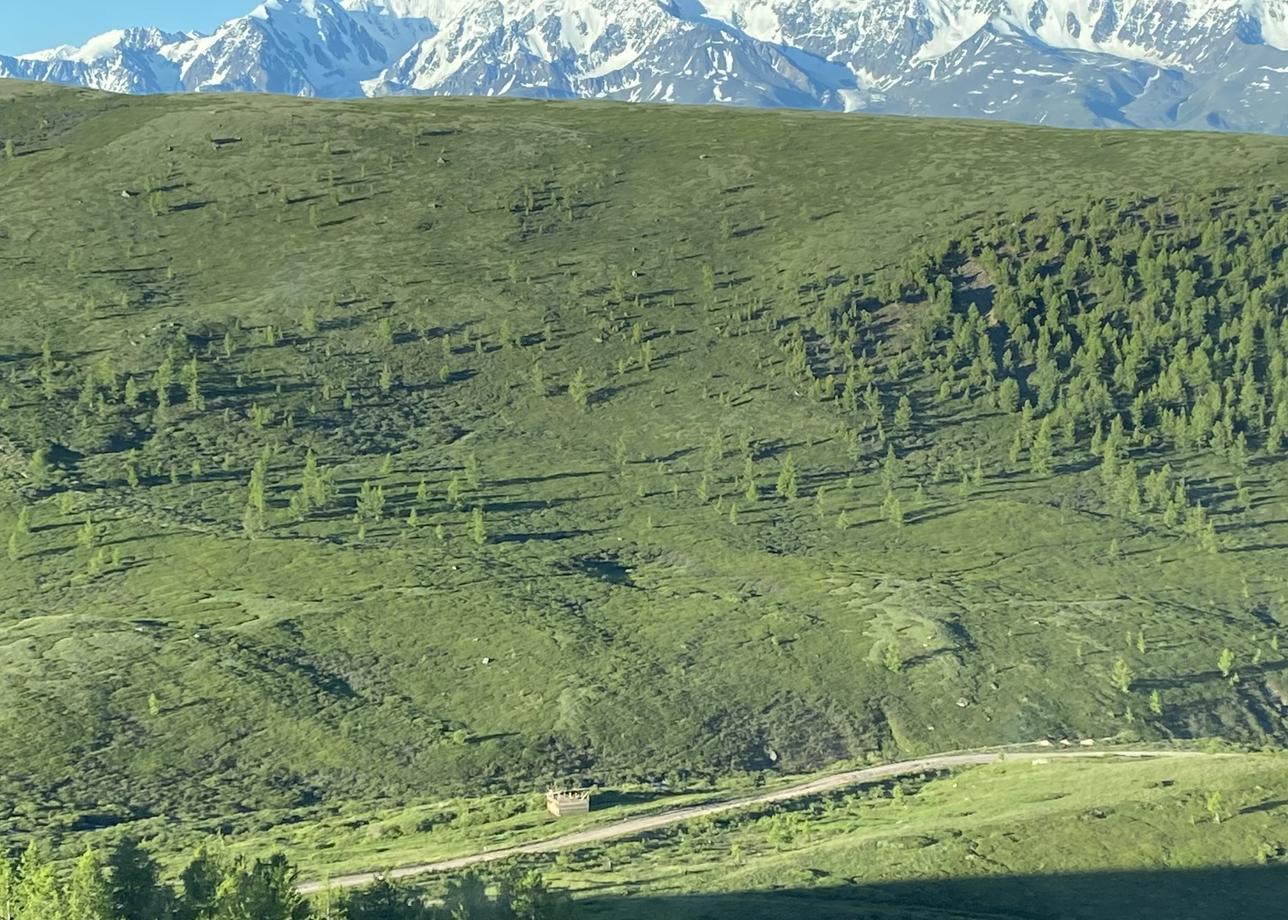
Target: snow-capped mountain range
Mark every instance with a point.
(1151, 63)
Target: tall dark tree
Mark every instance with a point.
(134, 879)
(260, 890)
(383, 900)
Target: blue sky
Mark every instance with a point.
(30, 25)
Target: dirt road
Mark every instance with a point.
(629, 827)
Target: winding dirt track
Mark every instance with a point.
(629, 827)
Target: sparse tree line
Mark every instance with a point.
(124, 882)
(1110, 332)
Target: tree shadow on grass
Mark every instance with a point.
(1198, 894)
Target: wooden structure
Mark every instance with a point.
(561, 802)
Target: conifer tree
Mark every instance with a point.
(382, 900)
(192, 380)
(88, 895)
(260, 890)
(162, 380)
(892, 508)
(787, 484)
(903, 415)
(1040, 450)
(199, 883)
(39, 468)
(8, 889)
(134, 880)
(524, 895)
(579, 389)
(256, 491)
(37, 895)
(371, 503)
(1121, 676)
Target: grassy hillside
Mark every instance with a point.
(1122, 840)
(370, 453)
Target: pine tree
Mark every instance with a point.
(1121, 676)
(199, 882)
(524, 895)
(256, 492)
(252, 521)
(478, 530)
(8, 889)
(382, 900)
(39, 468)
(37, 894)
(1040, 450)
(134, 879)
(579, 389)
(903, 415)
(787, 485)
(466, 897)
(1213, 805)
(86, 533)
(1008, 395)
(371, 503)
(892, 508)
(88, 895)
(262, 890)
(192, 379)
(891, 471)
(162, 380)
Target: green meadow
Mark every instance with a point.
(373, 461)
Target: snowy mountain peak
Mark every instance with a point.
(1160, 63)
